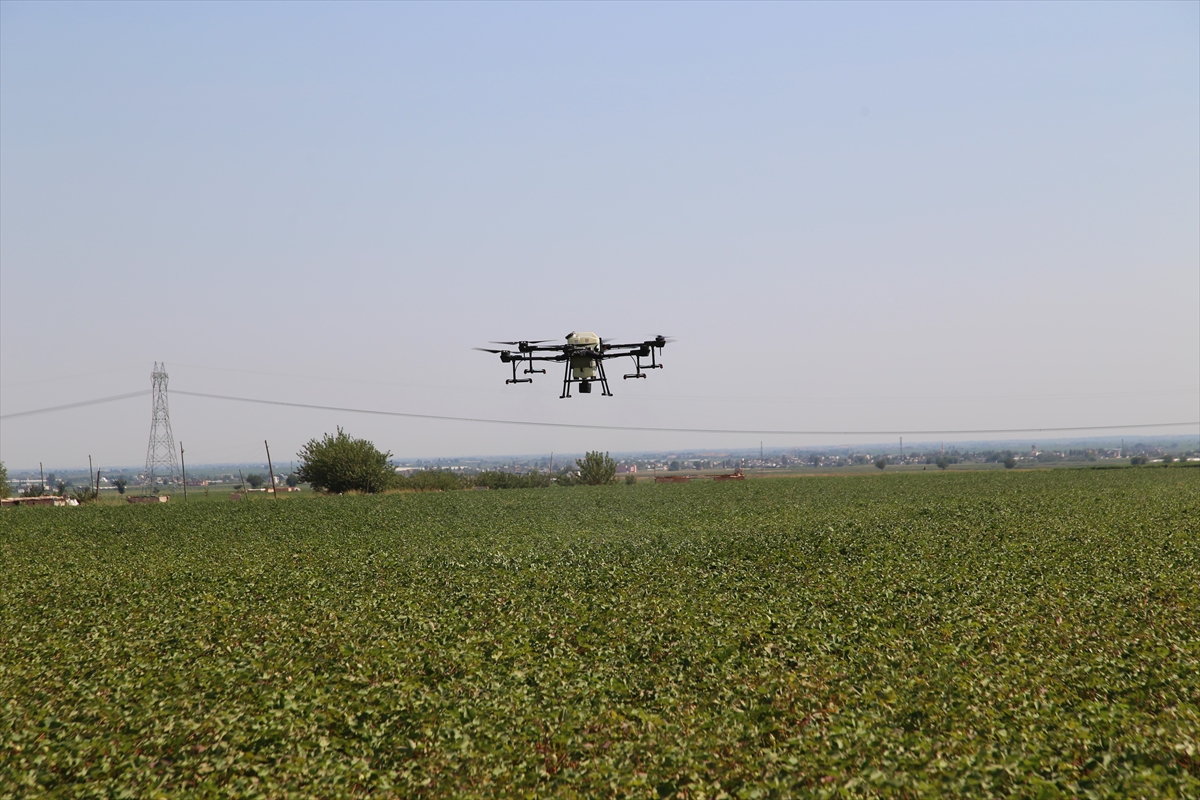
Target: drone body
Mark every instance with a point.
(583, 358)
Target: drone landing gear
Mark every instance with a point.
(515, 379)
(637, 359)
(585, 384)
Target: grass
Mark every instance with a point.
(906, 635)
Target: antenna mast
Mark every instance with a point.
(161, 461)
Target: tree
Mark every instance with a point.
(596, 468)
(291, 480)
(5, 489)
(881, 462)
(341, 464)
(942, 462)
(1010, 462)
(121, 483)
(255, 480)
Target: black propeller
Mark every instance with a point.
(530, 341)
(505, 355)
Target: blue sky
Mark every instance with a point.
(852, 216)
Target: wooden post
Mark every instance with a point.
(183, 466)
(91, 477)
(43, 473)
(97, 489)
(243, 480)
(271, 469)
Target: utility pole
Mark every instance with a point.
(184, 467)
(91, 477)
(760, 452)
(97, 481)
(901, 448)
(43, 473)
(243, 480)
(271, 469)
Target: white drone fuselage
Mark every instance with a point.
(582, 367)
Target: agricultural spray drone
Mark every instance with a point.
(583, 358)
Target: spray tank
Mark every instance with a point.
(583, 368)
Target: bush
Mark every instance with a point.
(5, 489)
(630, 479)
(508, 480)
(1137, 461)
(596, 468)
(84, 495)
(1010, 462)
(121, 483)
(881, 462)
(342, 464)
(431, 480)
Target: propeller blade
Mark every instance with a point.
(488, 350)
(530, 341)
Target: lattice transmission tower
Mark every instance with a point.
(161, 460)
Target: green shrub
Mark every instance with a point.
(596, 468)
(508, 480)
(342, 464)
(431, 480)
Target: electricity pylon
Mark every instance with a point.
(161, 460)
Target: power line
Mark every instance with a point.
(669, 430)
(80, 404)
(584, 426)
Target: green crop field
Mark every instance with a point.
(970, 634)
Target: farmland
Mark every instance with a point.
(924, 634)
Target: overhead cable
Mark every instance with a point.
(653, 429)
(80, 404)
(586, 426)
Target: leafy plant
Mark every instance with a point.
(342, 464)
(5, 489)
(596, 468)
(508, 480)
(84, 494)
